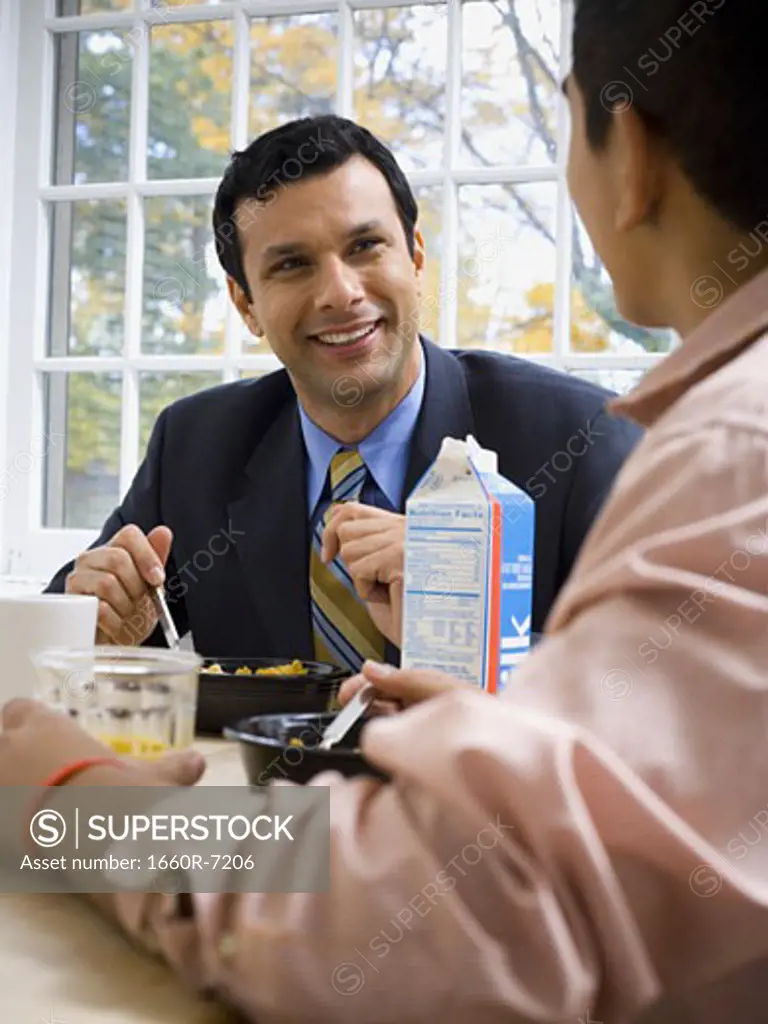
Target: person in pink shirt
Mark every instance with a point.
(620, 782)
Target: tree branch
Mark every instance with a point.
(530, 60)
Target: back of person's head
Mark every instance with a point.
(290, 154)
(695, 72)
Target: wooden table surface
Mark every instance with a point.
(62, 963)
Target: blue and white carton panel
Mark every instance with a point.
(468, 569)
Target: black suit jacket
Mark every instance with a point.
(225, 470)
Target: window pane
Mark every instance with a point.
(400, 65)
(93, 92)
(66, 7)
(185, 296)
(87, 278)
(510, 82)
(430, 200)
(620, 381)
(190, 99)
(506, 272)
(157, 390)
(293, 69)
(596, 324)
(83, 460)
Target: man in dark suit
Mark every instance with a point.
(316, 229)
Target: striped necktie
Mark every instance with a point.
(343, 631)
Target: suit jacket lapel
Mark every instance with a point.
(445, 412)
(271, 510)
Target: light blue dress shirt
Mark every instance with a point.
(386, 452)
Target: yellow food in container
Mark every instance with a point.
(294, 668)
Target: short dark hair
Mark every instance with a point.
(291, 153)
(695, 72)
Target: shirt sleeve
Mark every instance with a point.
(573, 850)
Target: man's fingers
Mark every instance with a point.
(386, 547)
(104, 585)
(114, 562)
(331, 544)
(355, 530)
(351, 520)
(366, 589)
(346, 511)
(161, 539)
(110, 623)
(372, 592)
(360, 535)
(150, 567)
(364, 535)
(396, 589)
(378, 567)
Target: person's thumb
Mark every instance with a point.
(161, 539)
(352, 686)
(349, 688)
(179, 768)
(409, 685)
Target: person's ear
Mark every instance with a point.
(638, 175)
(419, 252)
(244, 307)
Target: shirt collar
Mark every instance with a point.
(385, 450)
(741, 319)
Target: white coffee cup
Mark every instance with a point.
(31, 622)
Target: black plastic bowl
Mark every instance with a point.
(267, 752)
(225, 698)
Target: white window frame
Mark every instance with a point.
(28, 549)
(9, 50)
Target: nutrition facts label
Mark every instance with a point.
(445, 615)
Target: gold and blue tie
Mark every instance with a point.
(344, 633)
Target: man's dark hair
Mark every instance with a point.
(289, 154)
(695, 73)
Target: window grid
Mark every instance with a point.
(138, 188)
(137, 172)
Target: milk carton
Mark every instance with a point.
(468, 569)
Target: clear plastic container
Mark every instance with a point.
(140, 701)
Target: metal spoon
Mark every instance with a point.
(349, 716)
(166, 620)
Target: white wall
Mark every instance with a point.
(14, 130)
(9, 14)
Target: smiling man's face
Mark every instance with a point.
(334, 288)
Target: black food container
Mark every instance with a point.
(225, 698)
(268, 753)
